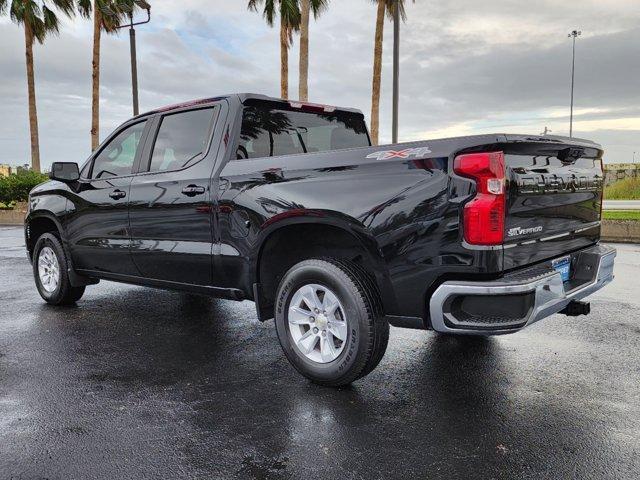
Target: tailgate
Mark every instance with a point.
(554, 198)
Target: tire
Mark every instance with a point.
(55, 262)
(322, 355)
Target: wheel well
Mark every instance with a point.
(295, 243)
(36, 227)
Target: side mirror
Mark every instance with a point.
(64, 172)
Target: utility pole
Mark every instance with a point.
(575, 34)
(134, 62)
(396, 69)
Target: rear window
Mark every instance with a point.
(269, 130)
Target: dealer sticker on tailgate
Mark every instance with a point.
(563, 265)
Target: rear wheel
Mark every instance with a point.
(329, 321)
(51, 272)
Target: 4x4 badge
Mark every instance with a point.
(406, 153)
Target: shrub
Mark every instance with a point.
(625, 189)
(7, 206)
(16, 187)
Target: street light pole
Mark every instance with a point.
(134, 62)
(396, 69)
(574, 34)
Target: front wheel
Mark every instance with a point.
(329, 321)
(50, 270)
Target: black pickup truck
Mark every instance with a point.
(287, 204)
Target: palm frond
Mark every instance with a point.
(269, 9)
(18, 12)
(49, 20)
(390, 4)
(38, 29)
(290, 14)
(84, 8)
(318, 7)
(65, 6)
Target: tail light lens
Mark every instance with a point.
(483, 217)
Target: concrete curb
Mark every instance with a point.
(12, 217)
(621, 231)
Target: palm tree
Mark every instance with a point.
(107, 15)
(38, 21)
(306, 7)
(289, 12)
(384, 6)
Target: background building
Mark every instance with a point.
(5, 170)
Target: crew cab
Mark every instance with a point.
(288, 204)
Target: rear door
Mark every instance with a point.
(170, 211)
(554, 198)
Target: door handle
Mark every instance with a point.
(192, 190)
(117, 194)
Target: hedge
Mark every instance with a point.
(16, 187)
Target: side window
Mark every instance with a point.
(116, 159)
(182, 140)
(269, 131)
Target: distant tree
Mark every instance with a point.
(107, 15)
(289, 12)
(384, 6)
(306, 8)
(38, 21)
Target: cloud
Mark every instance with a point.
(467, 67)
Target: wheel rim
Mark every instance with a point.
(317, 323)
(48, 269)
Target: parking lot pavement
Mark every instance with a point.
(139, 383)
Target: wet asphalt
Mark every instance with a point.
(135, 383)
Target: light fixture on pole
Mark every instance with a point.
(575, 34)
(396, 69)
(134, 63)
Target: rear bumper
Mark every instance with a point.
(522, 298)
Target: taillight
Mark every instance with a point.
(483, 217)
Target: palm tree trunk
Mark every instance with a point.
(284, 60)
(377, 73)
(31, 87)
(95, 77)
(305, 10)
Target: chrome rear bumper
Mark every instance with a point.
(541, 289)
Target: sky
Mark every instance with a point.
(467, 67)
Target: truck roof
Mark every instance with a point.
(243, 97)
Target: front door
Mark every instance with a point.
(98, 228)
(170, 202)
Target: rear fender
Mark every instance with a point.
(351, 226)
